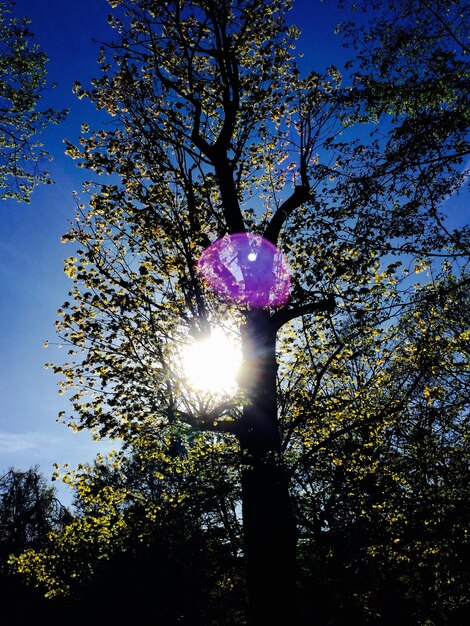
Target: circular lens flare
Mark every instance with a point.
(247, 269)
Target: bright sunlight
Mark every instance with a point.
(211, 364)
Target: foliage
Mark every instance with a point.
(412, 75)
(29, 512)
(151, 526)
(22, 82)
(352, 405)
(383, 500)
(380, 488)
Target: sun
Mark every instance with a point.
(211, 364)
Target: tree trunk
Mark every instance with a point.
(268, 519)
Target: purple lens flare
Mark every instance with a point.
(246, 269)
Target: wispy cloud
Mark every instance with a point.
(14, 443)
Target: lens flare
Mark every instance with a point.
(248, 270)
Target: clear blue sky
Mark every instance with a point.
(32, 283)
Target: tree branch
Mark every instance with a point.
(300, 195)
(391, 408)
(281, 317)
(216, 420)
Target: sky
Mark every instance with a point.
(32, 282)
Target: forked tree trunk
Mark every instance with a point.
(268, 519)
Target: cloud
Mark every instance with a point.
(15, 443)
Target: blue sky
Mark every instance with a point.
(32, 283)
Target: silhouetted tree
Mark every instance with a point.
(216, 133)
(29, 511)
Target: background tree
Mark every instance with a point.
(156, 527)
(382, 501)
(22, 82)
(29, 511)
(216, 132)
(411, 72)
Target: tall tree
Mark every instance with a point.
(216, 134)
(22, 82)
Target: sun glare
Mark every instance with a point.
(212, 364)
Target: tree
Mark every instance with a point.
(382, 501)
(155, 527)
(380, 487)
(216, 133)
(22, 82)
(29, 511)
(412, 69)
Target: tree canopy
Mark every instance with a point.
(29, 511)
(22, 83)
(337, 466)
